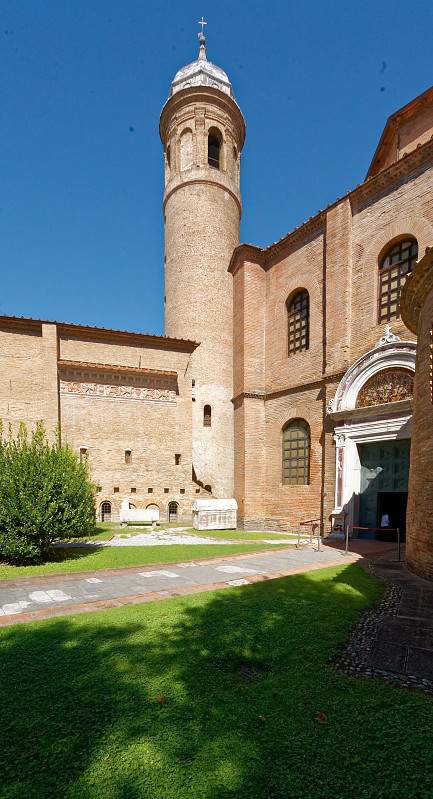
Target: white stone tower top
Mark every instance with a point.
(201, 72)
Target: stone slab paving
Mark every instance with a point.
(168, 537)
(395, 639)
(404, 642)
(31, 598)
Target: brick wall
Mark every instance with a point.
(155, 431)
(336, 259)
(419, 548)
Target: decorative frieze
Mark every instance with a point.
(144, 388)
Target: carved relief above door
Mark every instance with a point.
(389, 385)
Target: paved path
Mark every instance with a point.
(30, 598)
(403, 645)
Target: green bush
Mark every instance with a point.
(45, 495)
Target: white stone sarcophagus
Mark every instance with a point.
(214, 514)
(131, 515)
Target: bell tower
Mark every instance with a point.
(202, 130)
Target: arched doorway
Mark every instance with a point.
(172, 511)
(106, 511)
(372, 430)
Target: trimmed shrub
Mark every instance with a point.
(46, 495)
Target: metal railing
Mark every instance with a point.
(373, 530)
(312, 523)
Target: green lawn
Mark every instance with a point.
(105, 531)
(77, 560)
(212, 696)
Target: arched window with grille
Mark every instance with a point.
(172, 511)
(394, 267)
(207, 416)
(106, 512)
(296, 452)
(214, 142)
(298, 322)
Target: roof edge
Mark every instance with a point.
(368, 186)
(405, 110)
(245, 249)
(74, 329)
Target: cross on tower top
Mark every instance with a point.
(202, 40)
(202, 22)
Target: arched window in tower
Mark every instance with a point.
(185, 158)
(207, 416)
(214, 142)
(394, 267)
(298, 322)
(296, 453)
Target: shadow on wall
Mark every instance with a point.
(212, 696)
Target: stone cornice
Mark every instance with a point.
(205, 175)
(418, 285)
(374, 411)
(109, 367)
(269, 395)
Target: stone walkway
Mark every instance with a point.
(395, 639)
(30, 598)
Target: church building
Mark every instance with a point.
(285, 375)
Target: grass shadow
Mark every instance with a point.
(212, 696)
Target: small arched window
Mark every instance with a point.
(106, 512)
(298, 322)
(172, 511)
(296, 453)
(214, 142)
(394, 268)
(207, 416)
(168, 156)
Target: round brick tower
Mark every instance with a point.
(203, 130)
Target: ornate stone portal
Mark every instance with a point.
(383, 376)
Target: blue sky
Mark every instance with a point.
(82, 85)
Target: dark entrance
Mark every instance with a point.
(392, 506)
(384, 479)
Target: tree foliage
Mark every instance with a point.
(46, 494)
